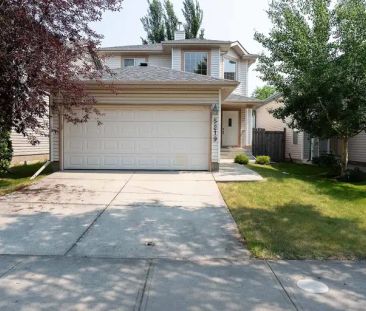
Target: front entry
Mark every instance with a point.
(230, 128)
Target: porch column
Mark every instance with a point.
(249, 126)
(216, 134)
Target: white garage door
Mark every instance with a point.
(152, 138)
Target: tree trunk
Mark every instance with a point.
(344, 155)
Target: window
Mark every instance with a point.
(230, 122)
(196, 62)
(130, 62)
(295, 137)
(230, 69)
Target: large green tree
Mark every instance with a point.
(171, 20)
(193, 15)
(154, 23)
(263, 92)
(315, 56)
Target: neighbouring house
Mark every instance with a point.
(173, 106)
(299, 145)
(25, 152)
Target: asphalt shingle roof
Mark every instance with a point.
(240, 98)
(142, 47)
(153, 74)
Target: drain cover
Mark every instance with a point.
(312, 286)
(150, 243)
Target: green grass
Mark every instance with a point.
(299, 214)
(18, 177)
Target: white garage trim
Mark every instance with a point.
(167, 137)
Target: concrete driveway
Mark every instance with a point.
(145, 241)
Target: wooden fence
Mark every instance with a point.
(271, 143)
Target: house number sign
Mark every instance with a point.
(215, 128)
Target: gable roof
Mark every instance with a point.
(133, 48)
(236, 98)
(160, 75)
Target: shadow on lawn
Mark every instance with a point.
(298, 231)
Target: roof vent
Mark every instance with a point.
(143, 64)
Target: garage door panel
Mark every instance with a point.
(140, 138)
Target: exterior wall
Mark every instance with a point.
(243, 68)
(55, 137)
(215, 63)
(160, 60)
(357, 148)
(176, 59)
(113, 62)
(23, 150)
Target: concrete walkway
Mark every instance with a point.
(232, 172)
(147, 241)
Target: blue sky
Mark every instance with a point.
(223, 19)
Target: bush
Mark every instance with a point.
(263, 160)
(330, 161)
(353, 175)
(241, 159)
(6, 151)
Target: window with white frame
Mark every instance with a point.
(130, 62)
(230, 69)
(196, 62)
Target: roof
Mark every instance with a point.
(196, 41)
(240, 99)
(160, 75)
(141, 47)
(270, 99)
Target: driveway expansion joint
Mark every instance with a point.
(98, 216)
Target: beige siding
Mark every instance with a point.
(357, 148)
(243, 127)
(160, 60)
(266, 120)
(177, 59)
(22, 147)
(155, 97)
(55, 135)
(215, 63)
(242, 68)
(113, 62)
(216, 145)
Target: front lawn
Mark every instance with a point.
(18, 177)
(296, 213)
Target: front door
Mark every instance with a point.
(230, 128)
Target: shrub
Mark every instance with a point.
(353, 175)
(6, 151)
(330, 161)
(241, 159)
(263, 160)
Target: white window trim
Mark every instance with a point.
(135, 60)
(236, 66)
(193, 51)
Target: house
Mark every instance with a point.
(173, 106)
(24, 151)
(299, 145)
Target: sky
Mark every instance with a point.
(223, 20)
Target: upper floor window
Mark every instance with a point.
(230, 69)
(128, 62)
(196, 62)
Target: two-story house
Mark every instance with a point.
(168, 106)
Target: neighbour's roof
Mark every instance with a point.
(160, 75)
(241, 99)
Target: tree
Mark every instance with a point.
(6, 151)
(264, 92)
(45, 49)
(193, 15)
(316, 59)
(171, 20)
(153, 22)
